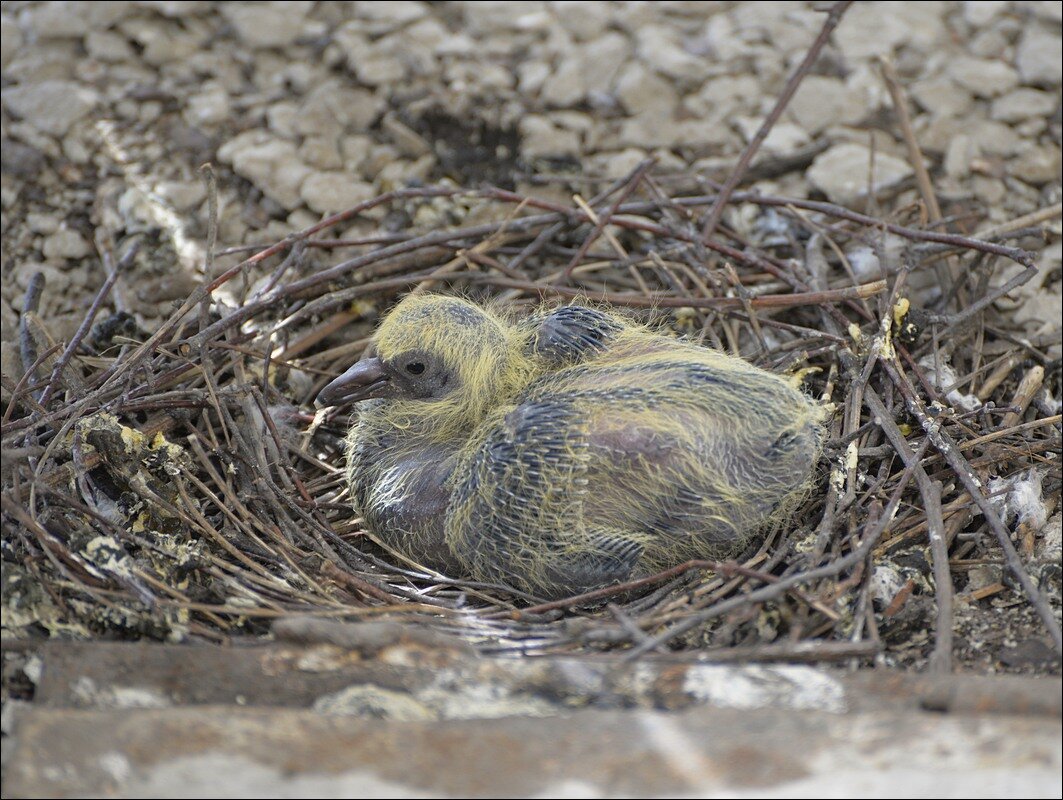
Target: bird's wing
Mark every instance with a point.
(516, 512)
(571, 334)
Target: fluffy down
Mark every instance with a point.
(572, 449)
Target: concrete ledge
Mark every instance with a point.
(211, 751)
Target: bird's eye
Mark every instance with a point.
(415, 367)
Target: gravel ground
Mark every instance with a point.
(110, 109)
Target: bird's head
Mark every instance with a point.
(433, 349)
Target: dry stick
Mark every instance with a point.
(668, 301)
(22, 392)
(941, 659)
(90, 316)
(1025, 221)
(205, 289)
(1026, 426)
(997, 376)
(954, 458)
(27, 347)
(952, 320)
(149, 346)
(631, 184)
(122, 367)
(609, 591)
(256, 306)
(915, 156)
(777, 590)
(833, 18)
(1015, 254)
(809, 652)
(1024, 394)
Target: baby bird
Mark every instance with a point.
(567, 451)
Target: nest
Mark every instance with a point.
(182, 486)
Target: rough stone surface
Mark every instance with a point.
(278, 92)
(842, 173)
(51, 107)
(326, 192)
(1023, 104)
(703, 752)
(1038, 56)
(984, 77)
(273, 24)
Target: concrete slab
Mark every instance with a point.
(117, 675)
(371, 711)
(232, 752)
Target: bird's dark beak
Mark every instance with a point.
(365, 380)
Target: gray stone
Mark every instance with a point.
(821, 101)
(591, 67)
(961, 152)
(209, 106)
(42, 223)
(1023, 104)
(619, 164)
(643, 91)
(163, 42)
(10, 40)
(842, 172)
(980, 12)
(427, 35)
(983, 77)
(994, 138)
(321, 152)
(333, 109)
(108, 46)
(990, 191)
(784, 137)
(541, 138)
(870, 29)
(1037, 164)
(274, 24)
(271, 164)
(175, 9)
(410, 143)
(73, 19)
(19, 159)
(50, 106)
(10, 364)
(65, 243)
(50, 59)
(281, 118)
(531, 75)
(391, 13)
(989, 43)
(584, 20)
(496, 16)
(182, 195)
(329, 192)
(661, 48)
(941, 96)
(355, 150)
(1038, 56)
(722, 97)
(379, 69)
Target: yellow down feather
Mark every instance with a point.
(576, 448)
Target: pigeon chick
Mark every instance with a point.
(567, 451)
